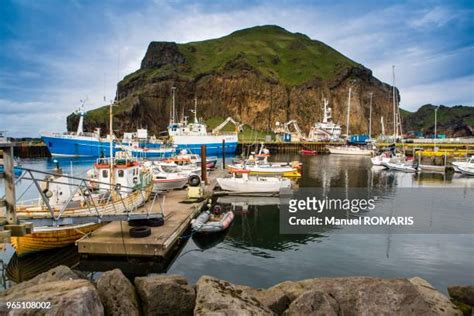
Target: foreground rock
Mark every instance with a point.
(67, 293)
(218, 297)
(463, 294)
(361, 295)
(166, 295)
(117, 294)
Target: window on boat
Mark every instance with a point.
(105, 173)
(121, 173)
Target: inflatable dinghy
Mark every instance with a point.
(210, 223)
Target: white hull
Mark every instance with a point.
(400, 167)
(254, 185)
(356, 151)
(169, 184)
(203, 139)
(468, 171)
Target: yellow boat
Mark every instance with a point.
(46, 238)
(127, 173)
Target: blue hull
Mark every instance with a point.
(211, 149)
(16, 171)
(70, 147)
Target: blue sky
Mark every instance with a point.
(55, 53)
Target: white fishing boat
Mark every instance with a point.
(401, 166)
(253, 184)
(184, 157)
(326, 130)
(168, 178)
(350, 150)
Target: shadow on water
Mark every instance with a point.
(23, 268)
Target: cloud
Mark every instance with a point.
(62, 58)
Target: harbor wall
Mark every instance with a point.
(64, 291)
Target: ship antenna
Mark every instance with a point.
(173, 110)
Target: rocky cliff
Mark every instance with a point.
(456, 121)
(258, 76)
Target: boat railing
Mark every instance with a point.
(117, 199)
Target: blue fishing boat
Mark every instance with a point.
(79, 143)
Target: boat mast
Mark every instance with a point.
(395, 130)
(195, 110)
(383, 127)
(348, 112)
(370, 116)
(111, 168)
(173, 108)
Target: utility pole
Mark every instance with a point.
(436, 123)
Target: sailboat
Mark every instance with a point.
(349, 150)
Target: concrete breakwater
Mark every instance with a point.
(69, 292)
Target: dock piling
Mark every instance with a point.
(223, 154)
(203, 164)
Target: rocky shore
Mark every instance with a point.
(70, 293)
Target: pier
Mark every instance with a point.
(113, 238)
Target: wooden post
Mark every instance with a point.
(223, 154)
(203, 164)
(10, 199)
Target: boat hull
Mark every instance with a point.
(213, 144)
(169, 184)
(50, 238)
(354, 152)
(70, 146)
(253, 186)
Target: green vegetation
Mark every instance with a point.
(291, 58)
(447, 117)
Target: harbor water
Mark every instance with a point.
(254, 252)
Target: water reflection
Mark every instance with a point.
(23, 268)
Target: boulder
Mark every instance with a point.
(217, 297)
(59, 273)
(273, 298)
(165, 295)
(373, 296)
(440, 304)
(314, 302)
(65, 297)
(117, 294)
(462, 293)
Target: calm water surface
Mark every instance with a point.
(253, 252)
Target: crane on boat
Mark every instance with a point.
(238, 126)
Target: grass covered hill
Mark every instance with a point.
(258, 75)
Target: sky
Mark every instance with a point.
(55, 53)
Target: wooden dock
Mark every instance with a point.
(113, 239)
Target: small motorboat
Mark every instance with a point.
(307, 152)
(215, 222)
(266, 169)
(168, 179)
(350, 150)
(466, 170)
(17, 171)
(401, 166)
(468, 163)
(253, 184)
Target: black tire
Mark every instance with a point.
(194, 180)
(140, 232)
(155, 222)
(138, 222)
